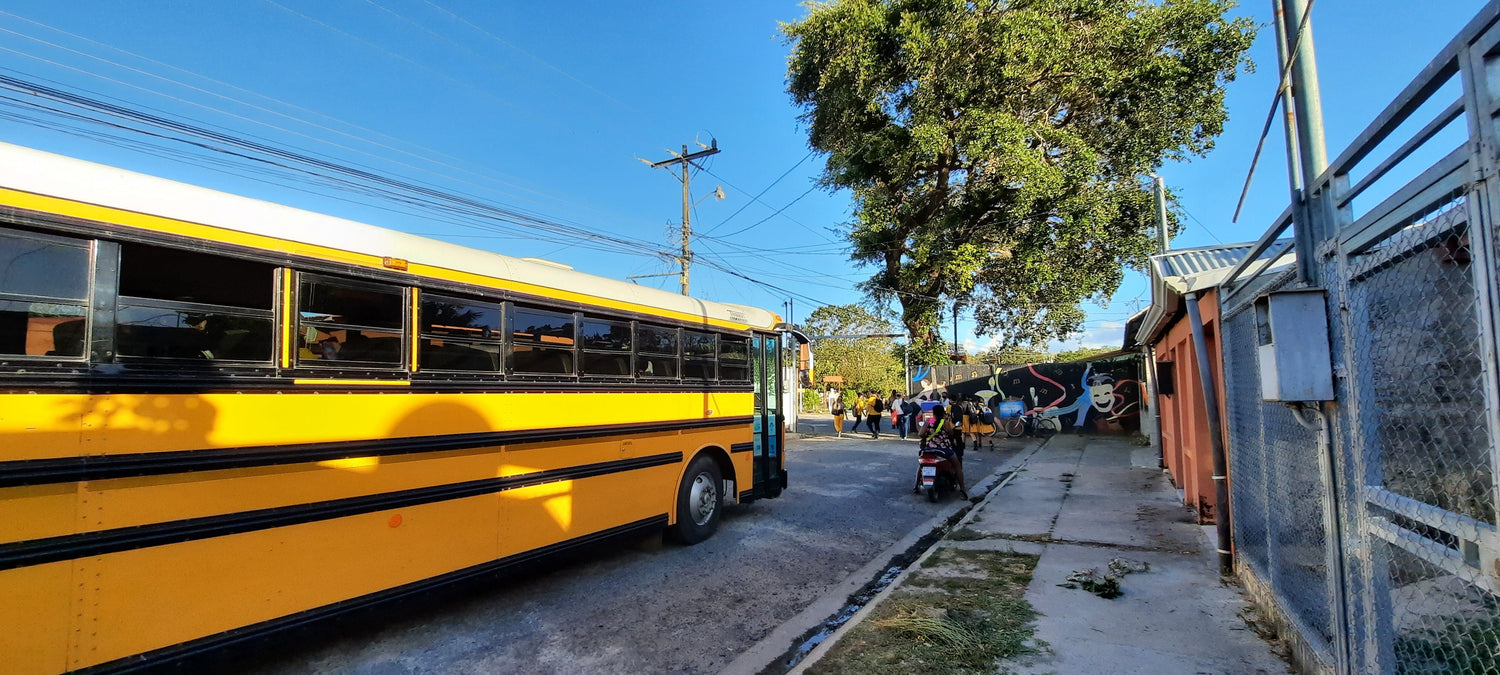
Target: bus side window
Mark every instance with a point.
(541, 342)
(178, 304)
(699, 355)
(44, 290)
(460, 335)
(606, 348)
(341, 322)
(734, 359)
(657, 350)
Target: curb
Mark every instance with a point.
(792, 634)
(1014, 467)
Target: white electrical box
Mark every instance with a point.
(1291, 330)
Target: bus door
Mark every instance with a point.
(765, 357)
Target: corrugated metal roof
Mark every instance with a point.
(1190, 262)
(1185, 270)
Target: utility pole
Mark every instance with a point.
(1159, 189)
(685, 159)
(955, 330)
(1304, 112)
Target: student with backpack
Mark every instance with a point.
(858, 411)
(873, 415)
(836, 406)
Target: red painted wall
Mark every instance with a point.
(1186, 447)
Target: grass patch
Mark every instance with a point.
(962, 612)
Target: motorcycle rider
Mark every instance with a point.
(942, 436)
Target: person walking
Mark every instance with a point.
(858, 411)
(874, 413)
(898, 413)
(973, 426)
(836, 406)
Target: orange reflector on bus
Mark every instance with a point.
(394, 263)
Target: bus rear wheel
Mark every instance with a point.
(699, 501)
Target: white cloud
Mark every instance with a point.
(1106, 334)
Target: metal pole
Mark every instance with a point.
(1159, 190)
(955, 331)
(1312, 148)
(1215, 438)
(906, 366)
(1288, 115)
(687, 228)
(1309, 145)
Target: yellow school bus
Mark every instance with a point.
(221, 418)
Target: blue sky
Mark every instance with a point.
(545, 108)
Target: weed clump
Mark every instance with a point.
(962, 612)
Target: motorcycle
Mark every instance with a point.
(937, 472)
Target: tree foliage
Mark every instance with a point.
(1083, 353)
(995, 149)
(864, 363)
(1014, 355)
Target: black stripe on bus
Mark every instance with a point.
(742, 447)
(100, 467)
(89, 544)
(209, 646)
(39, 379)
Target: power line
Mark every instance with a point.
(400, 189)
(794, 221)
(773, 215)
(364, 136)
(758, 195)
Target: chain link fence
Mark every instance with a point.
(1377, 543)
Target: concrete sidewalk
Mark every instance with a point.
(1080, 502)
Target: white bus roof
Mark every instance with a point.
(44, 173)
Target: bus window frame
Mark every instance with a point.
(120, 301)
(638, 352)
(91, 347)
(749, 343)
(403, 328)
(510, 344)
(123, 301)
(583, 351)
(712, 360)
(499, 373)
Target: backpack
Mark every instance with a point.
(911, 407)
(878, 405)
(986, 416)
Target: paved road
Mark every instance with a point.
(678, 609)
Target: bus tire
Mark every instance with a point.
(699, 501)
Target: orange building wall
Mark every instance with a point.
(1186, 446)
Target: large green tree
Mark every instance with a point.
(996, 148)
(866, 364)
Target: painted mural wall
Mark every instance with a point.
(1102, 396)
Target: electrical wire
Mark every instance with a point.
(758, 195)
(365, 134)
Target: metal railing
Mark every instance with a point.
(1380, 548)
